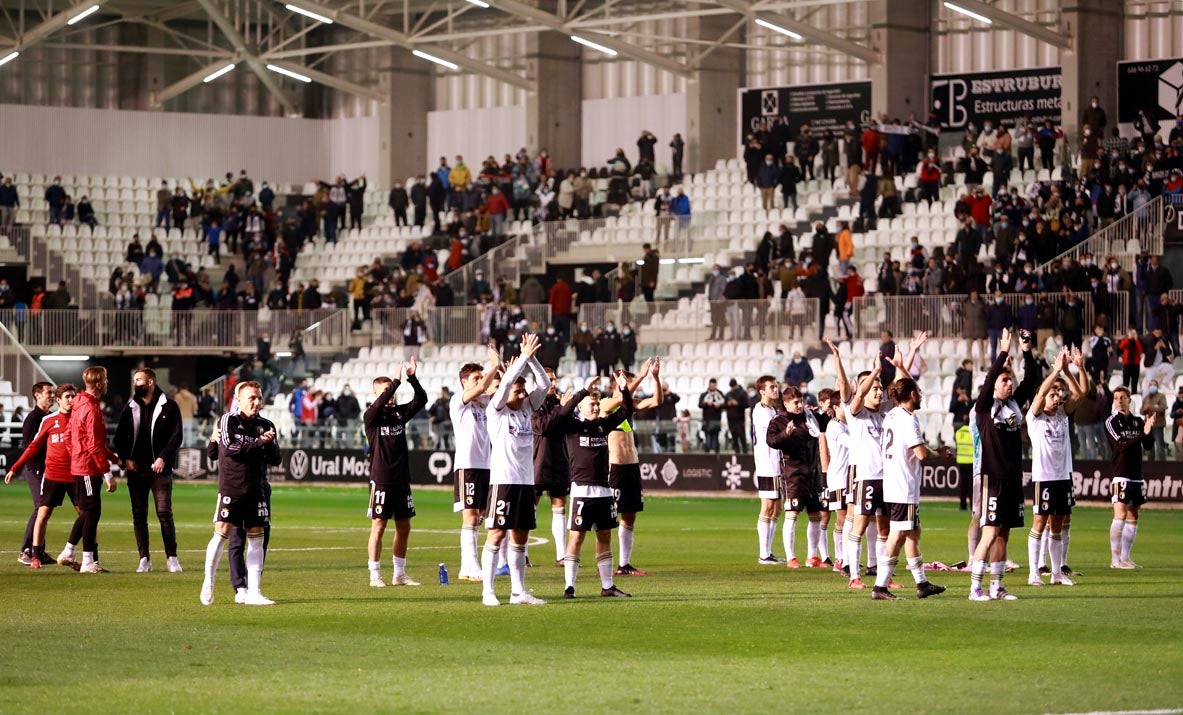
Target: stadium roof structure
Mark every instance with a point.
(293, 38)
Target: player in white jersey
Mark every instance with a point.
(866, 410)
(511, 472)
(903, 452)
(767, 461)
(471, 461)
(835, 462)
(1051, 470)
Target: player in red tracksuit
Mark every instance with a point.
(90, 460)
(57, 481)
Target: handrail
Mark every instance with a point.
(17, 365)
(1144, 224)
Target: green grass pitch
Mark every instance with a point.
(707, 631)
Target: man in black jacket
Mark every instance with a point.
(737, 407)
(711, 403)
(147, 440)
(606, 350)
(398, 202)
(390, 471)
(42, 401)
(346, 411)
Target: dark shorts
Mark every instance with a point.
(797, 494)
(837, 499)
(769, 488)
(391, 501)
(470, 489)
(1002, 503)
(557, 484)
(249, 511)
(510, 507)
(1129, 493)
(821, 500)
(904, 517)
(592, 514)
(625, 480)
(54, 493)
(1053, 498)
(88, 492)
(868, 498)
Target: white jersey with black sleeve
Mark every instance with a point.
(901, 468)
(471, 429)
(866, 450)
(511, 432)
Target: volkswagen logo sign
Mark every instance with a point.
(298, 464)
(440, 465)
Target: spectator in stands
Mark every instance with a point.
(868, 192)
(798, 371)
(969, 140)
(1072, 320)
(1094, 117)
(497, 209)
(887, 350)
(680, 208)
(1176, 418)
(164, 202)
(1024, 143)
(766, 251)
(86, 213)
(650, 265)
(1100, 352)
(662, 205)
(711, 403)
(356, 198)
(581, 187)
(645, 145)
(561, 307)
(418, 198)
(736, 408)
(998, 318)
(1089, 416)
(628, 347)
(1158, 358)
(1154, 403)
(1131, 359)
(7, 295)
(677, 152)
(1001, 164)
(583, 341)
(10, 201)
(830, 154)
(55, 196)
(767, 178)
(606, 350)
(805, 149)
(845, 246)
(547, 208)
(439, 419)
(930, 177)
(1047, 138)
(788, 178)
(854, 154)
(1090, 148)
(716, 294)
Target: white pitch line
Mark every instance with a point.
(1171, 711)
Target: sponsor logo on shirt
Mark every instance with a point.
(589, 441)
(391, 430)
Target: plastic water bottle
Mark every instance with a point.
(443, 575)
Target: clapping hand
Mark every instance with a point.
(409, 367)
(530, 345)
(621, 380)
(1004, 341)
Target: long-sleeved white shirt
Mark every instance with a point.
(511, 433)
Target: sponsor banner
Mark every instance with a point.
(666, 472)
(1149, 92)
(821, 106)
(1002, 97)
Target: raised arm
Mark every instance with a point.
(1044, 387)
(541, 383)
(492, 365)
(615, 419)
(856, 402)
(658, 395)
(1032, 374)
(419, 400)
(840, 370)
(914, 346)
(986, 394)
(513, 371)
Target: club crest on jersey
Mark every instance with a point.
(225, 513)
(225, 500)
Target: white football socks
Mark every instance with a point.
(1056, 552)
(1115, 537)
(517, 568)
(916, 567)
(1033, 548)
(604, 566)
(790, 535)
(1128, 532)
(400, 566)
(811, 532)
(558, 531)
(625, 535)
(570, 569)
(213, 554)
(488, 567)
(254, 562)
(873, 551)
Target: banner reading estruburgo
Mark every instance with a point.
(1001, 97)
(1149, 94)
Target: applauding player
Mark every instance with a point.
(903, 452)
(511, 479)
(1128, 436)
(390, 474)
(593, 507)
(1051, 470)
(246, 447)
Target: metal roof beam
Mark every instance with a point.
(1014, 22)
(808, 32)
